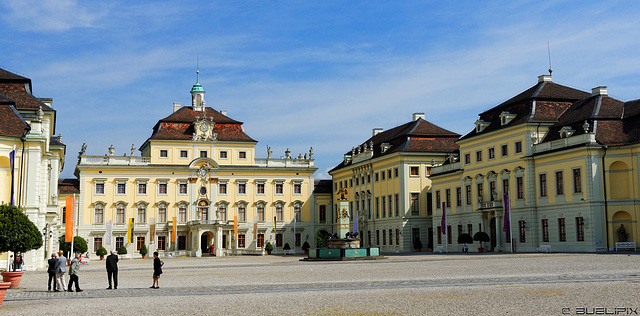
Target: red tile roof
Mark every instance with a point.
(11, 123)
(68, 186)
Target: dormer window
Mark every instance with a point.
(384, 147)
(566, 131)
(481, 125)
(506, 117)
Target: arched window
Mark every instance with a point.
(222, 211)
(242, 212)
(162, 212)
(297, 211)
(279, 211)
(203, 210)
(260, 211)
(120, 208)
(182, 212)
(142, 213)
(98, 213)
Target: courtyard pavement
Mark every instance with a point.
(408, 284)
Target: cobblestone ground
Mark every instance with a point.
(488, 284)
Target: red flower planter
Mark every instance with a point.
(3, 289)
(13, 277)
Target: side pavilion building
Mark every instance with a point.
(197, 188)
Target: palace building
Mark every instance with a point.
(388, 183)
(197, 187)
(31, 159)
(567, 160)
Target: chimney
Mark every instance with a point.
(176, 106)
(376, 131)
(223, 112)
(601, 90)
(417, 116)
(544, 78)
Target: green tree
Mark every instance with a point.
(101, 252)
(122, 250)
(17, 233)
(79, 245)
(143, 250)
(319, 243)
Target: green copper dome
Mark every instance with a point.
(197, 87)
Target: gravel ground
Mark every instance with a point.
(483, 284)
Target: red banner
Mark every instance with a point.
(69, 218)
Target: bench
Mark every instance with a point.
(626, 245)
(544, 248)
(290, 252)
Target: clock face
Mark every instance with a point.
(204, 127)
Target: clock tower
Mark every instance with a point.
(197, 94)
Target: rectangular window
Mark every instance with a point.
(390, 237)
(414, 171)
(520, 187)
(142, 188)
(390, 206)
(164, 153)
(377, 207)
(562, 232)
(384, 207)
(467, 159)
(467, 189)
(99, 188)
(470, 229)
(577, 181)
(119, 242)
(479, 156)
(545, 230)
(460, 231)
(397, 237)
(492, 153)
(559, 183)
(389, 173)
(162, 242)
(260, 241)
(579, 229)
(97, 243)
(518, 147)
(260, 188)
(449, 237)
(397, 205)
(240, 240)
(184, 154)
(222, 154)
(182, 188)
(203, 154)
(322, 214)
(395, 172)
(480, 191)
(376, 177)
(222, 188)
(139, 243)
(439, 234)
(492, 190)
(162, 188)
(415, 204)
(242, 155)
(505, 186)
(98, 217)
(438, 200)
(428, 170)
(279, 188)
(447, 195)
(384, 237)
(279, 240)
(383, 175)
(504, 150)
(122, 188)
(377, 237)
(458, 196)
(242, 188)
(543, 184)
(297, 242)
(521, 226)
(297, 188)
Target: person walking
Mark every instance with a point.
(52, 271)
(61, 269)
(74, 268)
(157, 271)
(112, 269)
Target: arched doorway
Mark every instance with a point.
(622, 227)
(206, 239)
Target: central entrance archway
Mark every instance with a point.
(205, 242)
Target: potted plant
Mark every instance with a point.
(305, 248)
(268, 248)
(286, 247)
(79, 246)
(101, 252)
(143, 251)
(122, 250)
(417, 244)
(465, 239)
(4, 286)
(481, 237)
(18, 234)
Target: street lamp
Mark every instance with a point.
(46, 232)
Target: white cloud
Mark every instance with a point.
(51, 15)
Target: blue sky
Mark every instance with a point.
(307, 73)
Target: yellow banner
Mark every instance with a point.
(131, 230)
(235, 227)
(175, 230)
(69, 218)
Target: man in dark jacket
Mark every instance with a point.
(112, 269)
(52, 271)
(157, 271)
